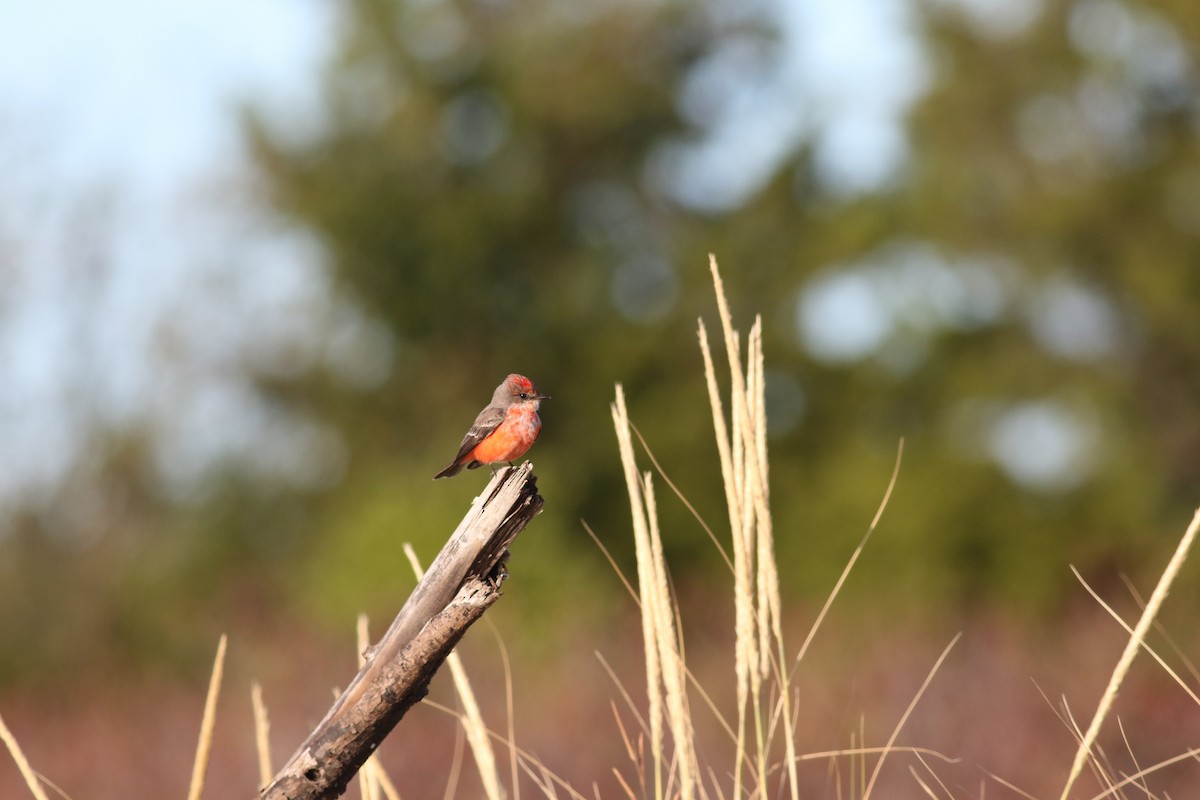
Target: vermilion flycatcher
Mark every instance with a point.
(504, 430)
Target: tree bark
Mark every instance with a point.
(460, 585)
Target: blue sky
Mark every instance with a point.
(123, 217)
(141, 91)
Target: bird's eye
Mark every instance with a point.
(524, 396)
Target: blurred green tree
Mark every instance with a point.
(500, 185)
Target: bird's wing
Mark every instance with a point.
(488, 420)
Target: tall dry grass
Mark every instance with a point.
(762, 724)
(763, 720)
(764, 717)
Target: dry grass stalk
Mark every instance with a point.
(744, 639)
(641, 537)
(368, 781)
(888, 748)
(665, 671)
(262, 735)
(526, 761)
(1132, 780)
(14, 749)
(887, 496)
(386, 785)
(509, 708)
(671, 655)
(936, 778)
(1162, 631)
(759, 649)
(852, 752)
(472, 719)
(1155, 602)
(208, 723)
(455, 766)
(1162, 662)
(766, 583)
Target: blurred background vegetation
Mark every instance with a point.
(534, 186)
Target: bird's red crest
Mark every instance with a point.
(520, 382)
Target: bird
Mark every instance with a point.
(503, 431)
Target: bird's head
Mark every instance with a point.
(519, 389)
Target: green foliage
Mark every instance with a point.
(485, 193)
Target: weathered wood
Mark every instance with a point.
(460, 585)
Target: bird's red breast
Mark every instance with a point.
(511, 438)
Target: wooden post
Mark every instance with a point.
(461, 583)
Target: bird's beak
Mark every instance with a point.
(543, 396)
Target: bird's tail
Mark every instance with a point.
(453, 468)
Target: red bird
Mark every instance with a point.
(504, 430)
